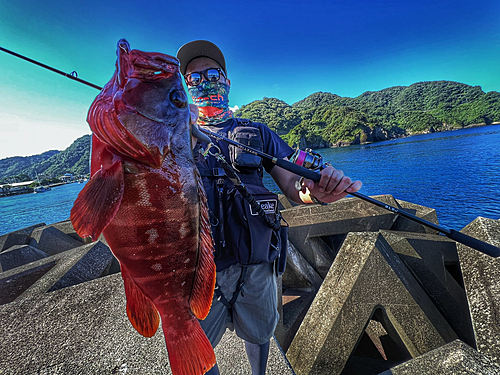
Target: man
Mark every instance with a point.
(251, 289)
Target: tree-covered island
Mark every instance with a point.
(327, 120)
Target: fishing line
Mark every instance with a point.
(457, 236)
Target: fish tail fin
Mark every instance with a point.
(204, 282)
(141, 312)
(189, 350)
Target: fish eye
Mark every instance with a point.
(179, 99)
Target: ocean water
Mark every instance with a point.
(21, 211)
(456, 172)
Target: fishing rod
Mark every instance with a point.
(73, 75)
(457, 236)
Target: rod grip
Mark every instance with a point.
(297, 169)
(474, 243)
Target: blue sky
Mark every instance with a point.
(282, 49)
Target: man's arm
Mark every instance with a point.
(332, 186)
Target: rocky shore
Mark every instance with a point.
(377, 134)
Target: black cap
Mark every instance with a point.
(200, 48)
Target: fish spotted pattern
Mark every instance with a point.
(146, 197)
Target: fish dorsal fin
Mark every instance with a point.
(140, 310)
(98, 201)
(204, 282)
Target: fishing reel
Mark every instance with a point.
(310, 160)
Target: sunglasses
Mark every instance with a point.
(210, 74)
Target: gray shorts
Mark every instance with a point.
(254, 314)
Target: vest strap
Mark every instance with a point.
(241, 282)
(214, 172)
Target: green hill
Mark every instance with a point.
(333, 125)
(74, 160)
(275, 113)
(324, 119)
(318, 99)
(18, 164)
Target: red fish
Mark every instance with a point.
(145, 195)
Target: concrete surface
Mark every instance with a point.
(84, 329)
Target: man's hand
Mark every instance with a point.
(193, 117)
(332, 186)
(194, 113)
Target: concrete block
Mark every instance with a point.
(52, 241)
(14, 284)
(67, 268)
(67, 227)
(340, 214)
(406, 225)
(296, 303)
(96, 260)
(284, 203)
(84, 330)
(433, 260)
(298, 273)
(18, 237)
(300, 283)
(19, 255)
(455, 358)
(347, 215)
(366, 280)
(481, 275)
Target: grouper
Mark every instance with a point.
(146, 197)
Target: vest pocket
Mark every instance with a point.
(248, 236)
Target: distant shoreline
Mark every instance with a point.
(448, 129)
(27, 190)
(441, 130)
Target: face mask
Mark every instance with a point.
(212, 101)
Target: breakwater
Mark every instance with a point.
(365, 292)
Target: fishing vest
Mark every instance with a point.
(240, 234)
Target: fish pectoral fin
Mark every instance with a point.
(141, 312)
(204, 281)
(98, 201)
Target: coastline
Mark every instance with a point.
(445, 128)
(27, 190)
(388, 137)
